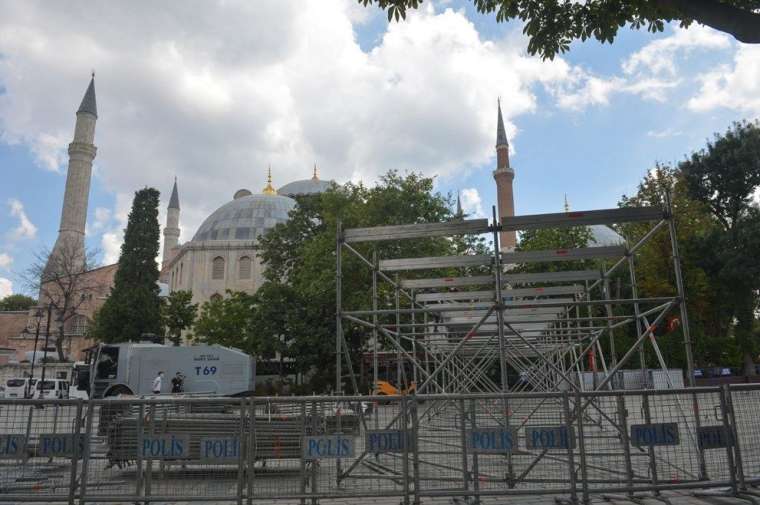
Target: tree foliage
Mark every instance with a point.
(17, 302)
(706, 301)
(726, 176)
(178, 312)
(552, 25)
(134, 308)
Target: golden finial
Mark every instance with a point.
(268, 189)
(567, 205)
(315, 177)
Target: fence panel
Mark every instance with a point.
(745, 400)
(41, 446)
(261, 449)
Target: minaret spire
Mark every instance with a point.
(459, 206)
(269, 189)
(174, 200)
(501, 133)
(82, 152)
(171, 230)
(315, 177)
(567, 205)
(504, 177)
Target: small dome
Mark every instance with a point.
(240, 193)
(305, 187)
(245, 218)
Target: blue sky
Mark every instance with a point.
(214, 92)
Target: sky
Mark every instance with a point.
(213, 92)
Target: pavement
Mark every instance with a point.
(713, 497)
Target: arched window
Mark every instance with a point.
(244, 268)
(216, 297)
(217, 268)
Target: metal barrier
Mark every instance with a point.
(415, 447)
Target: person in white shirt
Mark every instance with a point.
(157, 383)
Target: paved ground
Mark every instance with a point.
(717, 497)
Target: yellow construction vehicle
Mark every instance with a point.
(386, 388)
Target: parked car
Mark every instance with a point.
(52, 388)
(19, 387)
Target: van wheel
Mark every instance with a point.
(118, 390)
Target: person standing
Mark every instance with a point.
(157, 383)
(178, 383)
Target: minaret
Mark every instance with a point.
(504, 176)
(81, 153)
(171, 230)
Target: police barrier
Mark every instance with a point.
(426, 446)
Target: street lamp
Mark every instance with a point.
(38, 316)
(44, 351)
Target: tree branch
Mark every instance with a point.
(743, 24)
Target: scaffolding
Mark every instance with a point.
(544, 330)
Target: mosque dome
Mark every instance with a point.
(306, 186)
(246, 217)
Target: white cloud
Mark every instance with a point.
(586, 90)
(472, 204)
(667, 132)
(5, 260)
(734, 87)
(214, 92)
(25, 228)
(6, 287)
(110, 243)
(102, 218)
(659, 56)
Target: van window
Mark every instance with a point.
(107, 363)
(46, 385)
(15, 383)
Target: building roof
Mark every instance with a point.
(245, 218)
(88, 102)
(174, 200)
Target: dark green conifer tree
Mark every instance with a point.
(134, 308)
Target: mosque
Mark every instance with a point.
(221, 255)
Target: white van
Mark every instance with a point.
(52, 388)
(18, 387)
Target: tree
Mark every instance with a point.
(178, 312)
(725, 175)
(551, 25)
(60, 277)
(707, 306)
(17, 302)
(226, 321)
(134, 308)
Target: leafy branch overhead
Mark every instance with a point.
(552, 25)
